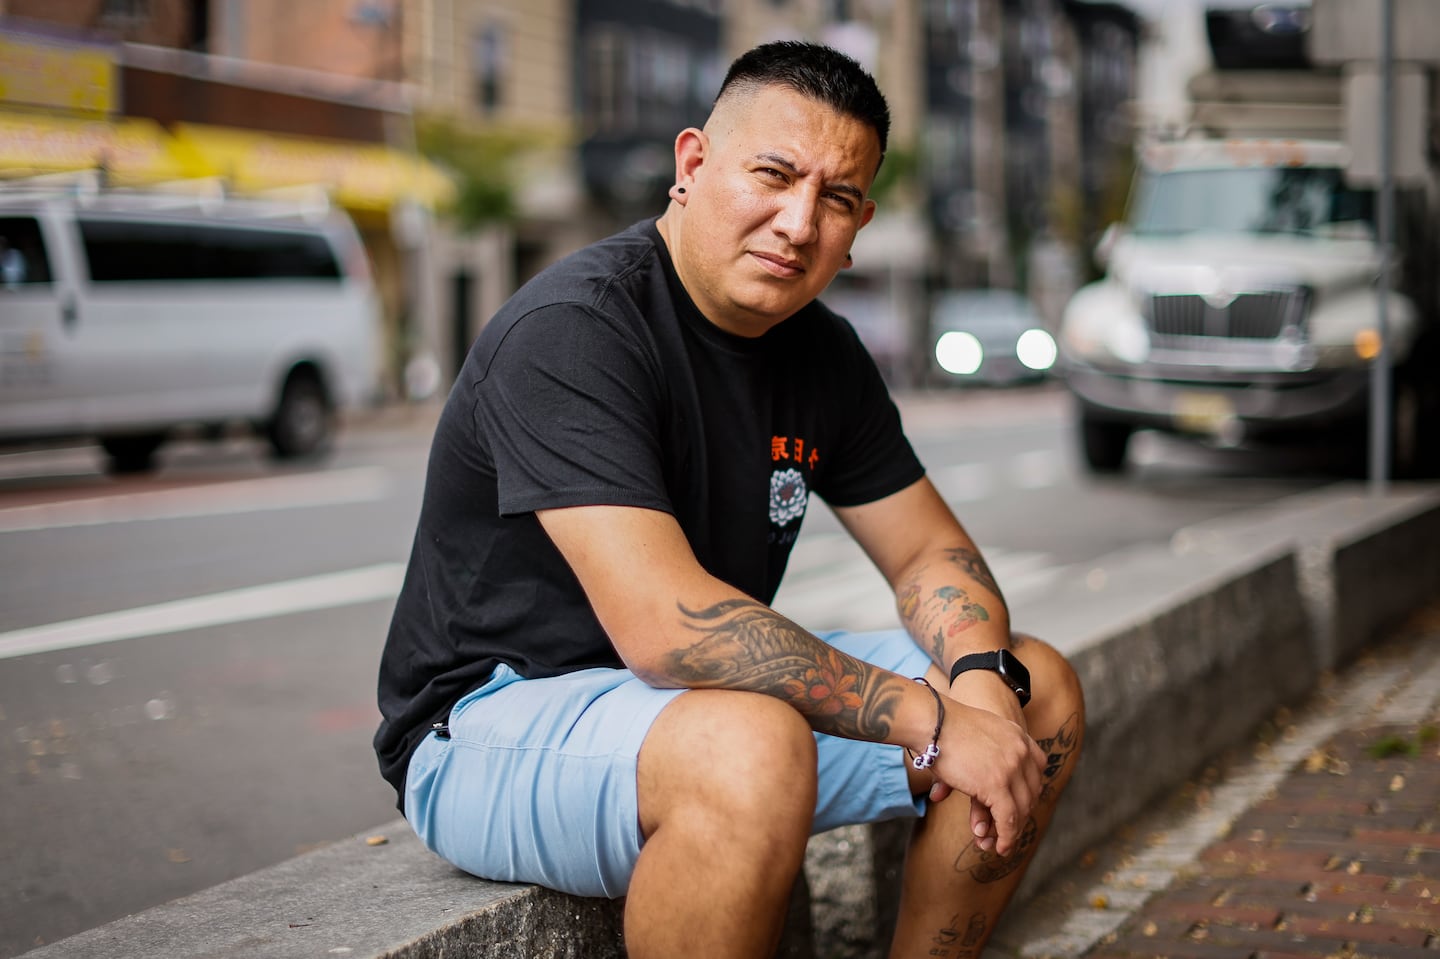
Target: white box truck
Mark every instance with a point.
(1240, 302)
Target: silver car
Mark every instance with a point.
(989, 336)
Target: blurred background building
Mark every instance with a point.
(475, 141)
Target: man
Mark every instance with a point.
(583, 686)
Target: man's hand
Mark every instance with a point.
(986, 753)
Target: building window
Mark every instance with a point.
(643, 81)
(123, 15)
(489, 58)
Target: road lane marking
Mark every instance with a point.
(964, 482)
(1036, 469)
(325, 591)
(835, 586)
(361, 484)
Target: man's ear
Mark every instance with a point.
(691, 146)
(867, 213)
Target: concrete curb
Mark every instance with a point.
(1183, 651)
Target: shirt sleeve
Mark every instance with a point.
(570, 406)
(874, 458)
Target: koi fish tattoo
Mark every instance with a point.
(746, 645)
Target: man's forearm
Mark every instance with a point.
(746, 645)
(952, 605)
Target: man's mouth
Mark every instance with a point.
(777, 265)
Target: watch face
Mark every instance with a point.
(1015, 672)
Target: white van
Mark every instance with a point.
(126, 316)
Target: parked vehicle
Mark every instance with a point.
(124, 317)
(1239, 304)
(990, 336)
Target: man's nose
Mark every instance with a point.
(796, 218)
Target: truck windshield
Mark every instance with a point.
(1312, 201)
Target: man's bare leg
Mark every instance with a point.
(953, 893)
(727, 795)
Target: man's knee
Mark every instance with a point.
(736, 757)
(1056, 714)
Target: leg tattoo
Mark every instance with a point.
(953, 943)
(990, 867)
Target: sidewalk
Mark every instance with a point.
(1321, 839)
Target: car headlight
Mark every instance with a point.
(958, 352)
(1036, 349)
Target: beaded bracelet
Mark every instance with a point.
(932, 752)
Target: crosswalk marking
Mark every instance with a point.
(831, 584)
(325, 591)
(964, 482)
(360, 484)
(971, 482)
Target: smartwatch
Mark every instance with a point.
(1003, 662)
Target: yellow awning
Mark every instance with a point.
(130, 150)
(358, 176)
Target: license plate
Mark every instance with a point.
(1203, 412)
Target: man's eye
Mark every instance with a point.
(841, 200)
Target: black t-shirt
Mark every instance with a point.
(600, 382)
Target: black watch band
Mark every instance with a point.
(1002, 662)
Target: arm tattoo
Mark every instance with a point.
(974, 566)
(946, 612)
(745, 645)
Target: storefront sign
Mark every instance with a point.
(39, 72)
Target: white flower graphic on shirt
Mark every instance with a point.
(788, 496)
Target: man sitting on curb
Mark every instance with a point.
(584, 686)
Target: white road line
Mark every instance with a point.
(1036, 469)
(361, 484)
(971, 482)
(845, 591)
(964, 482)
(326, 591)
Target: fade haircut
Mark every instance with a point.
(815, 71)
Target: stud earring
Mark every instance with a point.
(679, 189)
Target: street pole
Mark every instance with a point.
(1381, 413)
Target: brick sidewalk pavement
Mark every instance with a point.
(1320, 840)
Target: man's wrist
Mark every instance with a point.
(1001, 663)
(926, 758)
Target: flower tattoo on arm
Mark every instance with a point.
(746, 645)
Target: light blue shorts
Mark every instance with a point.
(537, 780)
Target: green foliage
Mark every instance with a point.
(900, 166)
(480, 162)
(1398, 745)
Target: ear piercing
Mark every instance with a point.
(679, 189)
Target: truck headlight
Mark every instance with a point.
(1102, 325)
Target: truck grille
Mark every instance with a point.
(1256, 315)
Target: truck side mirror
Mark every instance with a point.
(1105, 246)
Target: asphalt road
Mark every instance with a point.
(187, 660)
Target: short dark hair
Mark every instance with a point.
(816, 71)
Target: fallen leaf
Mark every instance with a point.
(375, 840)
(176, 855)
